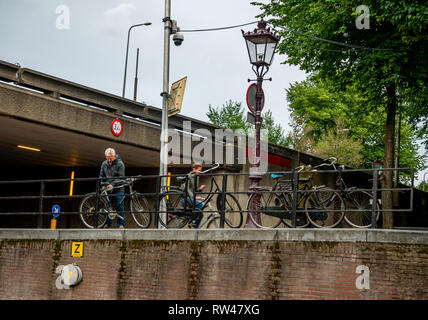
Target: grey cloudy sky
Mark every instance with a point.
(92, 51)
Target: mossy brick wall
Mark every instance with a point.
(144, 269)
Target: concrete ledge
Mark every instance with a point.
(318, 235)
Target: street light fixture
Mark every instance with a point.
(376, 164)
(127, 49)
(261, 44)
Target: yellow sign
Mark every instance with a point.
(77, 249)
(176, 98)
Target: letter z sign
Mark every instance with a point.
(77, 249)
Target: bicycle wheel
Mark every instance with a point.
(324, 208)
(140, 210)
(232, 212)
(266, 209)
(214, 223)
(175, 216)
(87, 212)
(362, 201)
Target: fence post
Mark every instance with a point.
(295, 183)
(223, 201)
(158, 182)
(40, 216)
(97, 202)
(411, 189)
(374, 204)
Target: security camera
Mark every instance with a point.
(178, 39)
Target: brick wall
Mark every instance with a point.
(226, 269)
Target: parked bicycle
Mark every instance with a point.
(180, 213)
(319, 206)
(93, 218)
(358, 203)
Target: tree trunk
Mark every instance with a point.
(388, 160)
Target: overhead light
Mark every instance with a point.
(28, 148)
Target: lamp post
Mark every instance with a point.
(425, 182)
(376, 164)
(127, 49)
(261, 44)
(170, 28)
(136, 75)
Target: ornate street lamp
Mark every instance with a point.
(261, 44)
(376, 164)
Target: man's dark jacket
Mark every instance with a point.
(111, 172)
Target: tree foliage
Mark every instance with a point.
(337, 143)
(317, 107)
(232, 115)
(386, 62)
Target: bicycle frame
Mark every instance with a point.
(284, 189)
(189, 210)
(206, 201)
(106, 196)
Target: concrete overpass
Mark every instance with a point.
(70, 123)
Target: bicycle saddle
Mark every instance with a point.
(276, 176)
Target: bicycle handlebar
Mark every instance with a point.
(299, 168)
(120, 183)
(216, 165)
(184, 178)
(332, 160)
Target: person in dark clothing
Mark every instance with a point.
(112, 173)
(192, 185)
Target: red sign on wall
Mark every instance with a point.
(116, 127)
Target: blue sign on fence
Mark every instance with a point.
(56, 209)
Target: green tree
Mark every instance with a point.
(337, 143)
(387, 62)
(316, 105)
(233, 116)
(230, 116)
(423, 186)
(275, 131)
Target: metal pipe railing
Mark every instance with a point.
(289, 186)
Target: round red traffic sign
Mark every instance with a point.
(116, 127)
(251, 98)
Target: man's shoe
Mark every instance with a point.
(121, 227)
(106, 226)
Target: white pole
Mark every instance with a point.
(163, 168)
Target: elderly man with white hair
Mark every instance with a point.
(112, 173)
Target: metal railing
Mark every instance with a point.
(35, 201)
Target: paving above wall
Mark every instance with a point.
(336, 235)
